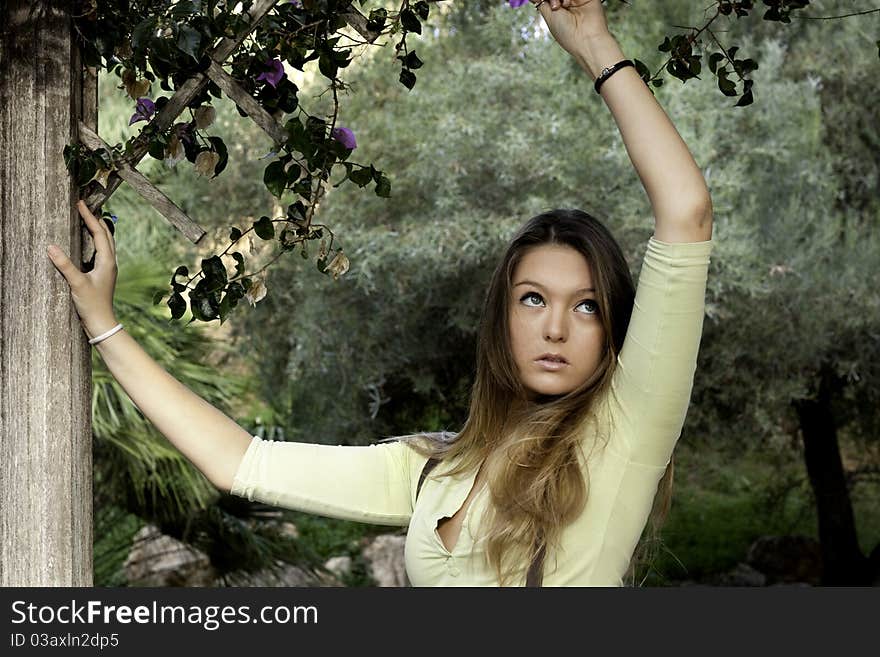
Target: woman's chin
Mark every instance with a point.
(545, 393)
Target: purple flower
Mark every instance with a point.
(345, 137)
(517, 3)
(273, 76)
(295, 3)
(144, 111)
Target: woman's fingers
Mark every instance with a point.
(63, 264)
(100, 233)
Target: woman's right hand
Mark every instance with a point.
(575, 23)
(92, 292)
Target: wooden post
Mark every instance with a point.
(45, 366)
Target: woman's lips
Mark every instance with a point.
(551, 365)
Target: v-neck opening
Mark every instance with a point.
(472, 480)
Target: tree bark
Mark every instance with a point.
(45, 360)
(843, 563)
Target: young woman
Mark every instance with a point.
(581, 390)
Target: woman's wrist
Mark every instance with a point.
(596, 53)
(99, 326)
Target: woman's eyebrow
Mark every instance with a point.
(583, 289)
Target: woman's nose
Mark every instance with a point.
(555, 328)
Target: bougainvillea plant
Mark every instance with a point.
(157, 46)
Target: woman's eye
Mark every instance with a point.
(531, 295)
(591, 306)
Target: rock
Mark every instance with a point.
(285, 575)
(339, 566)
(787, 559)
(742, 575)
(385, 561)
(160, 560)
(289, 530)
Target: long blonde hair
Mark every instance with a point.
(536, 481)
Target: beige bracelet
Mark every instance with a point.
(106, 335)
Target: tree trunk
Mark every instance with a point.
(843, 563)
(45, 366)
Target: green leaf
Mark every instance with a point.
(746, 99)
(234, 234)
(748, 65)
(143, 32)
(287, 239)
(239, 263)
(156, 149)
(157, 298)
(411, 60)
(264, 228)
(214, 271)
(71, 153)
(275, 178)
(287, 96)
(177, 304)
(410, 21)
(383, 187)
(293, 172)
(298, 137)
(727, 87)
(182, 9)
(188, 41)
(422, 9)
(220, 149)
(296, 210)
(203, 303)
(408, 78)
(361, 177)
(87, 171)
(377, 19)
(642, 70)
(235, 292)
(322, 263)
(327, 66)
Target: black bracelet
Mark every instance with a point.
(608, 71)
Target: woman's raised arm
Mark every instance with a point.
(676, 188)
(210, 439)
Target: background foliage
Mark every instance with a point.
(501, 126)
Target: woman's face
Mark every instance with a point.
(553, 310)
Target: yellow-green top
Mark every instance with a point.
(642, 416)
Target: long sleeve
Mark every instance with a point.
(371, 484)
(651, 387)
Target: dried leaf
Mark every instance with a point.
(102, 176)
(205, 116)
(205, 163)
(257, 292)
(338, 266)
(174, 151)
(133, 87)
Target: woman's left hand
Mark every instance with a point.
(573, 23)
